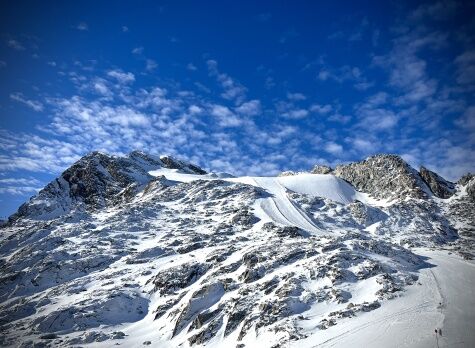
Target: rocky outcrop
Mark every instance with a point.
(383, 177)
(95, 181)
(437, 184)
(321, 169)
(173, 163)
(468, 180)
(464, 180)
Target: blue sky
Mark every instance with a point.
(238, 86)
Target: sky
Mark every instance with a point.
(244, 87)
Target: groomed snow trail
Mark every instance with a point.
(280, 209)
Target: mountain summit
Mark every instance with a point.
(98, 180)
(145, 250)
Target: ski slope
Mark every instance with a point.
(279, 208)
(443, 298)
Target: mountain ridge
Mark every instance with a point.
(143, 250)
(97, 177)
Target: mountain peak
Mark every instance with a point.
(384, 176)
(97, 180)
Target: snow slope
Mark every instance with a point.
(443, 298)
(176, 257)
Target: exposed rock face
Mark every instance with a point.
(172, 163)
(468, 180)
(471, 190)
(97, 180)
(288, 173)
(321, 169)
(465, 179)
(383, 176)
(438, 185)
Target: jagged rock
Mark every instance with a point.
(191, 247)
(383, 176)
(438, 185)
(291, 231)
(252, 274)
(95, 181)
(202, 299)
(202, 318)
(367, 307)
(288, 173)
(465, 179)
(207, 333)
(244, 217)
(471, 190)
(173, 163)
(176, 278)
(364, 214)
(235, 318)
(321, 169)
(468, 180)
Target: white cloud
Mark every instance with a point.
(150, 65)
(364, 145)
(226, 118)
(137, 50)
(466, 67)
(250, 108)
(344, 74)
(407, 71)
(440, 10)
(191, 67)
(296, 114)
(195, 109)
(296, 96)
(125, 29)
(323, 75)
(321, 109)
(121, 76)
(377, 119)
(100, 87)
(333, 148)
(82, 26)
(467, 120)
(19, 186)
(33, 104)
(232, 90)
(340, 118)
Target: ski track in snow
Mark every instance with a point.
(410, 321)
(280, 209)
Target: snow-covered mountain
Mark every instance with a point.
(144, 250)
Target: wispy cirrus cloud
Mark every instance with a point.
(33, 104)
(233, 90)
